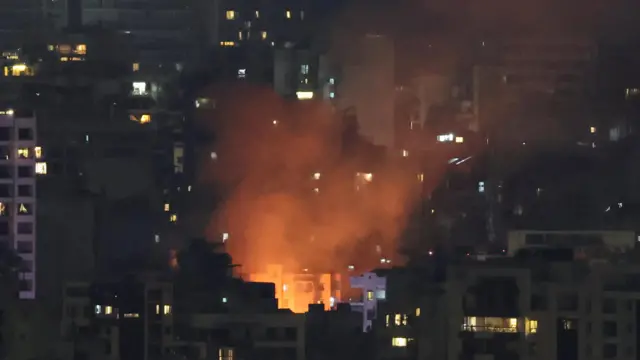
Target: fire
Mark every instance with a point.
(296, 291)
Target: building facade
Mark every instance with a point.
(19, 166)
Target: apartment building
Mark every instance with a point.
(125, 319)
(18, 167)
(514, 310)
(246, 336)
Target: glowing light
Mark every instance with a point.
(445, 138)
(459, 139)
(304, 95)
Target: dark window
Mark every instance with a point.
(25, 134)
(25, 171)
(25, 285)
(568, 302)
(25, 228)
(25, 190)
(5, 172)
(609, 351)
(77, 291)
(271, 333)
(5, 153)
(291, 334)
(5, 134)
(107, 347)
(4, 228)
(610, 329)
(5, 190)
(609, 306)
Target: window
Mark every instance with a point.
(5, 190)
(173, 218)
(301, 15)
(417, 312)
(24, 247)
(41, 168)
(257, 14)
(287, 14)
(610, 329)
(108, 310)
(81, 49)
(135, 67)
(4, 209)
(490, 324)
(227, 43)
(231, 15)
(25, 209)
(609, 306)
(167, 207)
(37, 152)
(25, 134)
(25, 228)
(4, 228)
(369, 295)
(139, 88)
(609, 351)
(25, 171)
(304, 69)
(263, 35)
(5, 134)
(166, 310)
(23, 153)
(531, 326)
(399, 342)
(5, 172)
(24, 190)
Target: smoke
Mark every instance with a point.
(290, 196)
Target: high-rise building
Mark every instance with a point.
(18, 167)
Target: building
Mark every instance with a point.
(512, 309)
(19, 167)
(130, 318)
(228, 336)
(590, 244)
(373, 289)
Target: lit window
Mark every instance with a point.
(64, 49)
(257, 14)
(301, 15)
(386, 320)
(369, 295)
(225, 237)
(227, 43)
(166, 207)
(3, 209)
(166, 310)
(287, 14)
(490, 324)
(37, 152)
(81, 49)
(317, 175)
(421, 177)
(173, 218)
(445, 138)
(145, 119)
(231, 14)
(132, 315)
(22, 209)
(41, 168)
(399, 342)
(157, 309)
(97, 309)
(405, 153)
(242, 73)
(135, 67)
(50, 47)
(64, 59)
(459, 139)
(417, 311)
(263, 34)
(108, 310)
(239, 35)
(592, 130)
(304, 69)
(332, 95)
(531, 326)
(19, 70)
(139, 88)
(304, 95)
(397, 319)
(381, 294)
(23, 153)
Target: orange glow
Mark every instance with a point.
(296, 291)
(269, 175)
